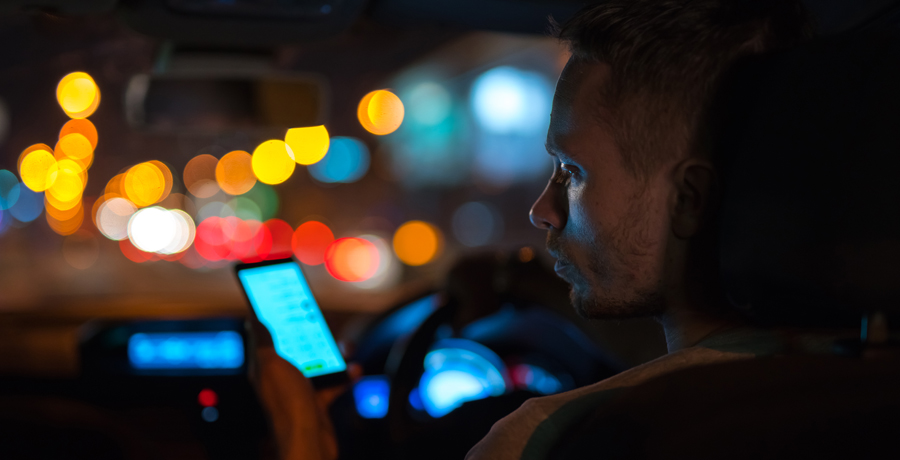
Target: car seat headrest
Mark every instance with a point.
(808, 143)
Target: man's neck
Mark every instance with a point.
(685, 328)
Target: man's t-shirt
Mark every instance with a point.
(532, 430)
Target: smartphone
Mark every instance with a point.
(283, 302)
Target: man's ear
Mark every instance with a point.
(696, 189)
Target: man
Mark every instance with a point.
(629, 205)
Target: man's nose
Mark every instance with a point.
(547, 212)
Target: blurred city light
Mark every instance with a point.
(266, 198)
(144, 184)
(76, 147)
(207, 397)
(112, 217)
(347, 161)
(29, 205)
(81, 249)
(234, 173)
(380, 112)
(310, 242)
(9, 189)
(282, 236)
(200, 176)
(62, 212)
(187, 350)
(477, 224)
(506, 99)
(78, 95)
(417, 243)
(273, 162)
(81, 126)
(168, 179)
(38, 169)
(232, 238)
(308, 144)
(134, 254)
(245, 208)
(387, 272)
(429, 103)
(152, 229)
(351, 259)
(371, 394)
(70, 182)
(70, 224)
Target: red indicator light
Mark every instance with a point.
(207, 398)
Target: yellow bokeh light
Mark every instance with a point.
(67, 226)
(200, 176)
(68, 185)
(81, 126)
(38, 170)
(273, 162)
(417, 242)
(308, 144)
(144, 184)
(30, 149)
(380, 112)
(50, 205)
(75, 146)
(234, 173)
(78, 95)
(167, 177)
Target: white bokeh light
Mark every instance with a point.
(152, 229)
(508, 100)
(184, 234)
(113, 216)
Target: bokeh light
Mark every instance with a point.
(351, 259)
(506, 99)
(112, 217)
(78, 95)
(245, 208)
(152, 229)
(387, 272)
(380, 112)
(69, 184)
(477, 224)
(232, 238)
(417, 243)
(9, 189)
(273, 162)
(234, 173)
(200, 176)
(308, 144)
(347, 161)
(144, 184)
(282, 236)
(29, 205)
(115, 186)
(81, 249)
(266, 198)
(75, 146)
(134, 254)
(69, 225)
(429, 103)
(38, 169)
(64, 211)
(310, 242)
(81, 126)
(185, 232)
(167, 177)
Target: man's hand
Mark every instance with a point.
(299, 414)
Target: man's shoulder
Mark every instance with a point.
(539, 420)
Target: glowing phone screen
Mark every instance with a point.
(283, 302)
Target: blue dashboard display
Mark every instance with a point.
(371, 394)
(186, 350)
(284, 303)
(457, 371)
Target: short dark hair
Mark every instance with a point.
(666, 57)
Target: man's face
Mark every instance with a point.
(607, 228)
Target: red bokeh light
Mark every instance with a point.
(352, 259)
(134, 254)
(310, 242)
(207, 398)
(282, 236)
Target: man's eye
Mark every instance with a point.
(563, 173)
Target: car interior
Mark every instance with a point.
(122, 338)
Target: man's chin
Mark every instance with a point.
(605, 307)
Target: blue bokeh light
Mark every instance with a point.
(457, 371)
(509, 100)
(476, 224)
(347, 160)
(371, 394)
(29, 205)
(428, 103)
(186, 350)
(9, 189)
(537, 379)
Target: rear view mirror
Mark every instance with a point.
(206, 102)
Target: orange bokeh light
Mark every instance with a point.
(68, 226)
(417, 242)
(200, 176)
(352, 259)
(380, 112)
(310, 241)
(234, 173)
(81, 126)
